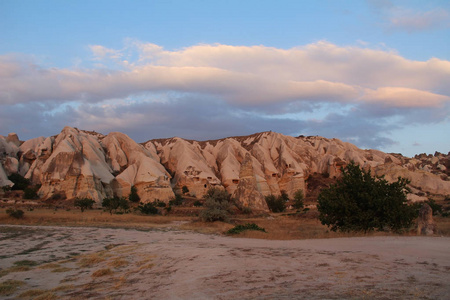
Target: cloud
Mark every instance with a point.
(230, 90)
(401, 18)
(411, 21)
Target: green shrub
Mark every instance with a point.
(20, 182)
(217, 205)
(275, 204)
(159, 203)
(134, 197)
(198, 203)
(298, 200)
(437, 208)
(360, 202)
(115, 203)
(249, 226)
(177, 201)
(84, 203)
(147, 208)
(15, 213)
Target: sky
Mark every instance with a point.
(375, 73)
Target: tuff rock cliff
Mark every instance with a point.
(78, 163)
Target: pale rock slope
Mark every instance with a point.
(138, 166)
(77, 163)
(252, 167)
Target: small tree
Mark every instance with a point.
(275, 204)
(184, 190)
(298, 200)
(360, 202)
(134, 197)
(115, 203)
(147, 208)
(84, 203)
(177, 201)
(217, 205)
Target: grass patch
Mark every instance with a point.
(91, 260)
(102, 272)
(118, 262)
(8, 287)
(61, 270)
(25, 263)
(248, 226)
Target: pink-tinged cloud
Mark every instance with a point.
(250, 76)
(404, 98)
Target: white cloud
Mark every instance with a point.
(258, 75)
(409, 20)
(161, 92)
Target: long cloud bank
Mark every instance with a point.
(119, 85)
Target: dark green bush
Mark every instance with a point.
(147, 208)
(159, 203)
(198, 203)
(217, 205)
(437, 208)
(134, 197)
(177, 201)
(249, 226)
(298, 200)
(115, 203)
(275, 204)
(84, 203)
(360, 202)
(15, 213)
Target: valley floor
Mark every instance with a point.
(166, 263)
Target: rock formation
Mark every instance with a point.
(77, 163)
(425, 223)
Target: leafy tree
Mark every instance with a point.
(20, 182)
(184, 190)
(284, 196)
(298, 200)
(84, 203)
(115, 203)
(217, 205)
(147, 208)
(134, 197)
(360, 202)
(275, 204)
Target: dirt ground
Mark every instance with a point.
(168, 263)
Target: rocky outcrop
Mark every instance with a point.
(425, 223)
(78, 163)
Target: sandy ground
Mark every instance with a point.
(97, 263)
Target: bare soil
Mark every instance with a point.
(51, 262)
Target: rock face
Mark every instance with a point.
(425, 223)
(77, 163)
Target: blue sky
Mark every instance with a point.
(374, 73)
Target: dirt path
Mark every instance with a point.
(96, 263)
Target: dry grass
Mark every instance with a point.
(278, 226)
(102, 272)
(8, 287)
(98, 218)
(91, 260)
(118, 262)
(38, 294)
